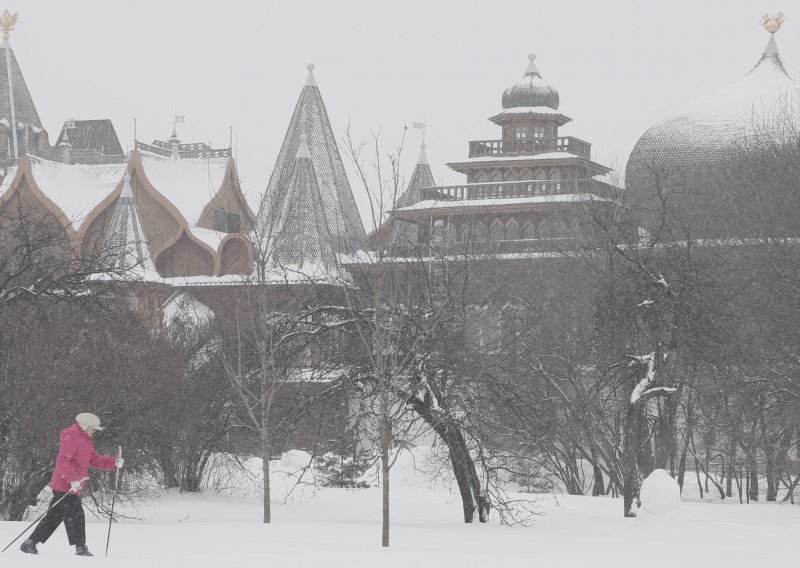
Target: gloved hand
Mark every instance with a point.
(119, 462)
(75, 486)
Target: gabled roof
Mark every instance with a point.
(310, 119)
(12, 82)
(98, 135)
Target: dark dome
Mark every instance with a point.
(711, 129)
(531, 90)
(697, 155)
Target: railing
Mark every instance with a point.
(526, 188)
(186, 151)
(75, 156)
(529, 146)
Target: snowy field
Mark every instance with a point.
(341, 528)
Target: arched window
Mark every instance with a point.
(546, 228)
(540, 185)
(529, 230)
(452, 233)
(512, 230)
(496, 232)
(465, 232)
(480, 231)
(555, 177)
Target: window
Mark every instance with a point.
(496, 230)
(512, 230)
(437, 235)
(529, 230)
(234, 223)
(480, 231)
(520, 131)
(152, 302)
(133, 302)
(538, 132)
(221, 220)
(227, 222)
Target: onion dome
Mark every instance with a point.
(531, 90)
(714, 129)
(693, 163)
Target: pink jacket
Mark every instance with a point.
(75, 455)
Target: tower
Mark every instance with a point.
(319, 162)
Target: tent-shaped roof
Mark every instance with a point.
(404, 233)
(302, 237)
(125, 248)
(13, 88)
(97, 135)
(345, 231)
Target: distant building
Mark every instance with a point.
(525, 192)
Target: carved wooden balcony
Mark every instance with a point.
(529, 146)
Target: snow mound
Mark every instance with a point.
(660, 493)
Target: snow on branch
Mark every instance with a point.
(645, 389)
(645, 383)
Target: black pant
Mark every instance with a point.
(69, 510)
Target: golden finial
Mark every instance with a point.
(7, 22)
(772, 23)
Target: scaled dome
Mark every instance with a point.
(701, 167)
(719, 127)
(531, 91)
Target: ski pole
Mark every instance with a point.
(114, 499)
(51, 507)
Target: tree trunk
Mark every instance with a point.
(631, 454)
(266, 446)
(752, 477)
(598, 488)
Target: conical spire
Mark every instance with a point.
(404, 233)
(16, 104)
(125, 248)
(771, 58)
(302, 237)
(345, 231)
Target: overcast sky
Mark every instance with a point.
(618, 65)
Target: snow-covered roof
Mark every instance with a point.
(188, 183)
(717, 127)
(208, 236)
(184, 305)
(517, 111)
(76, 188)
(526, 158)
(533, 199)
(5, 183)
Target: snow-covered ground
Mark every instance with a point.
(341, 528)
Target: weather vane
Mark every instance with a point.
(772, 23)
(7, 22)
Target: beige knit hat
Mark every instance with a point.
(88, 420)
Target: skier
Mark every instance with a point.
(76, 454)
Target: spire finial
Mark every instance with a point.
(311, 81)
(7, 23)
(773, 23)
(531, 64)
